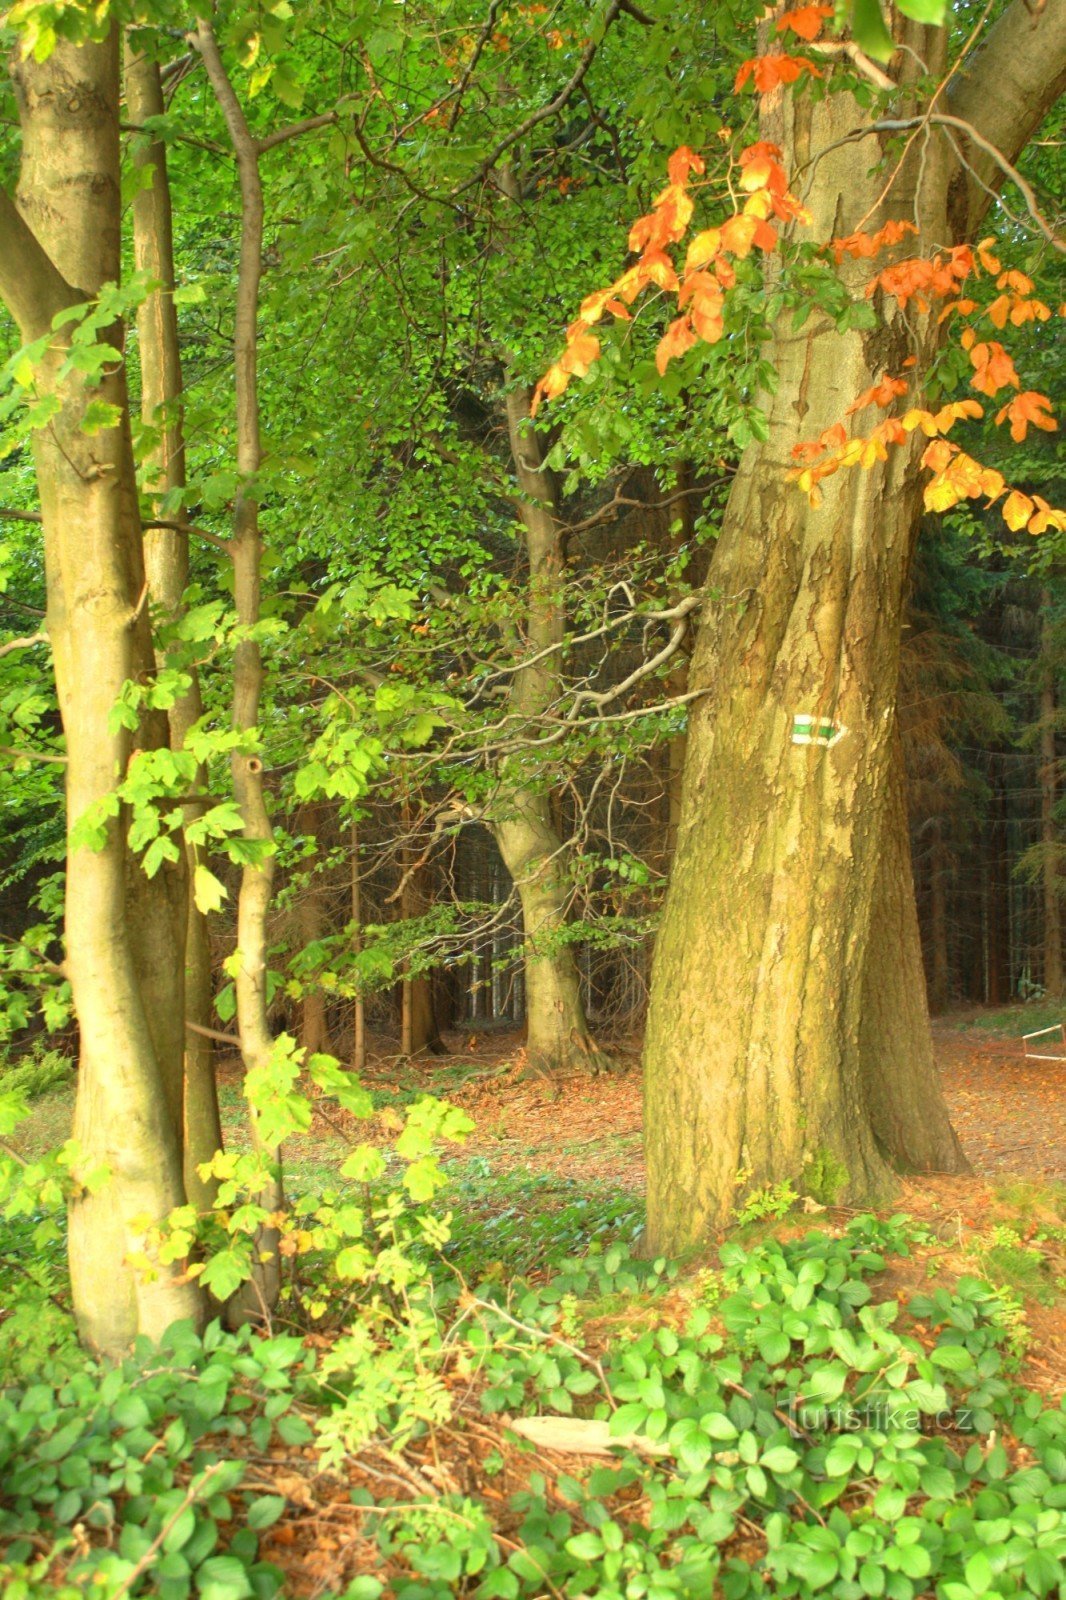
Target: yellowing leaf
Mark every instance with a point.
(1017, 509)
(207, 891)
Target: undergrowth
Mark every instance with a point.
(783, 1427)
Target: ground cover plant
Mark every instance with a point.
(503, 1413)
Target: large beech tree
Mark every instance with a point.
(788, 1034)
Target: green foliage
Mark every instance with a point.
(131, 1475)
(788, 1397)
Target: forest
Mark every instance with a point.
(533, 850)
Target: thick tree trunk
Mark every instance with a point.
(755, 1067)
(69, 193)
(1049, 828)
(754, 1064)
(557, 1034)
(166, 559)
(257, 877)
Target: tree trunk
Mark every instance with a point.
(557, 1034)
(1049, 830)
(313, 923)
(755, 1067)
(939, 963)
(754, 1064)
(166, 559)
(69, 193)
(418, 1024)
(257, 877)
(899, 1078)
(359, 1008)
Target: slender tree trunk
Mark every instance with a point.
(313, 923)
(1049, 829)
(939, 962)
(256, 878)
(69, 194)
(418, 1024)
(166, 559)
(557, 1034)
(359, 1008)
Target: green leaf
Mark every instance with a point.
(586, 1546)
(100, 415)
(868, 26)
(780, 1459)
(978, 1572)
(774, 1348)
(223, 1578)
(953, 1357)
(932, 12)
(264, 1512)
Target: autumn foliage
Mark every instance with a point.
(916, 283)
(707, 273)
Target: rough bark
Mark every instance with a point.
(898, 1071)
(69, 200)
(557, 1034)
(257, 878)
(753, 1067)
(166, 559)
(1051, 872)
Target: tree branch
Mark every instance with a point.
(996, 156)
(1003, 96)
(31, 285)
(566, 93)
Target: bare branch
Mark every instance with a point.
(554, 105)
(900, 124)
(23, 644)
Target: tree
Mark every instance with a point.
(787, 1035)
(124, 932)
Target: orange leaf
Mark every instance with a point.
(679, 337)
(1047, 517)
(1028, 407)
(772, 70)
(985, 256)
(805, 21)
(993, 368)
(738, 234)
(681, 163)
(882, 394)
(703, 249)
(862, 245)
(550, 386)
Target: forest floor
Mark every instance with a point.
(551, 1168)
(1009, 1111)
